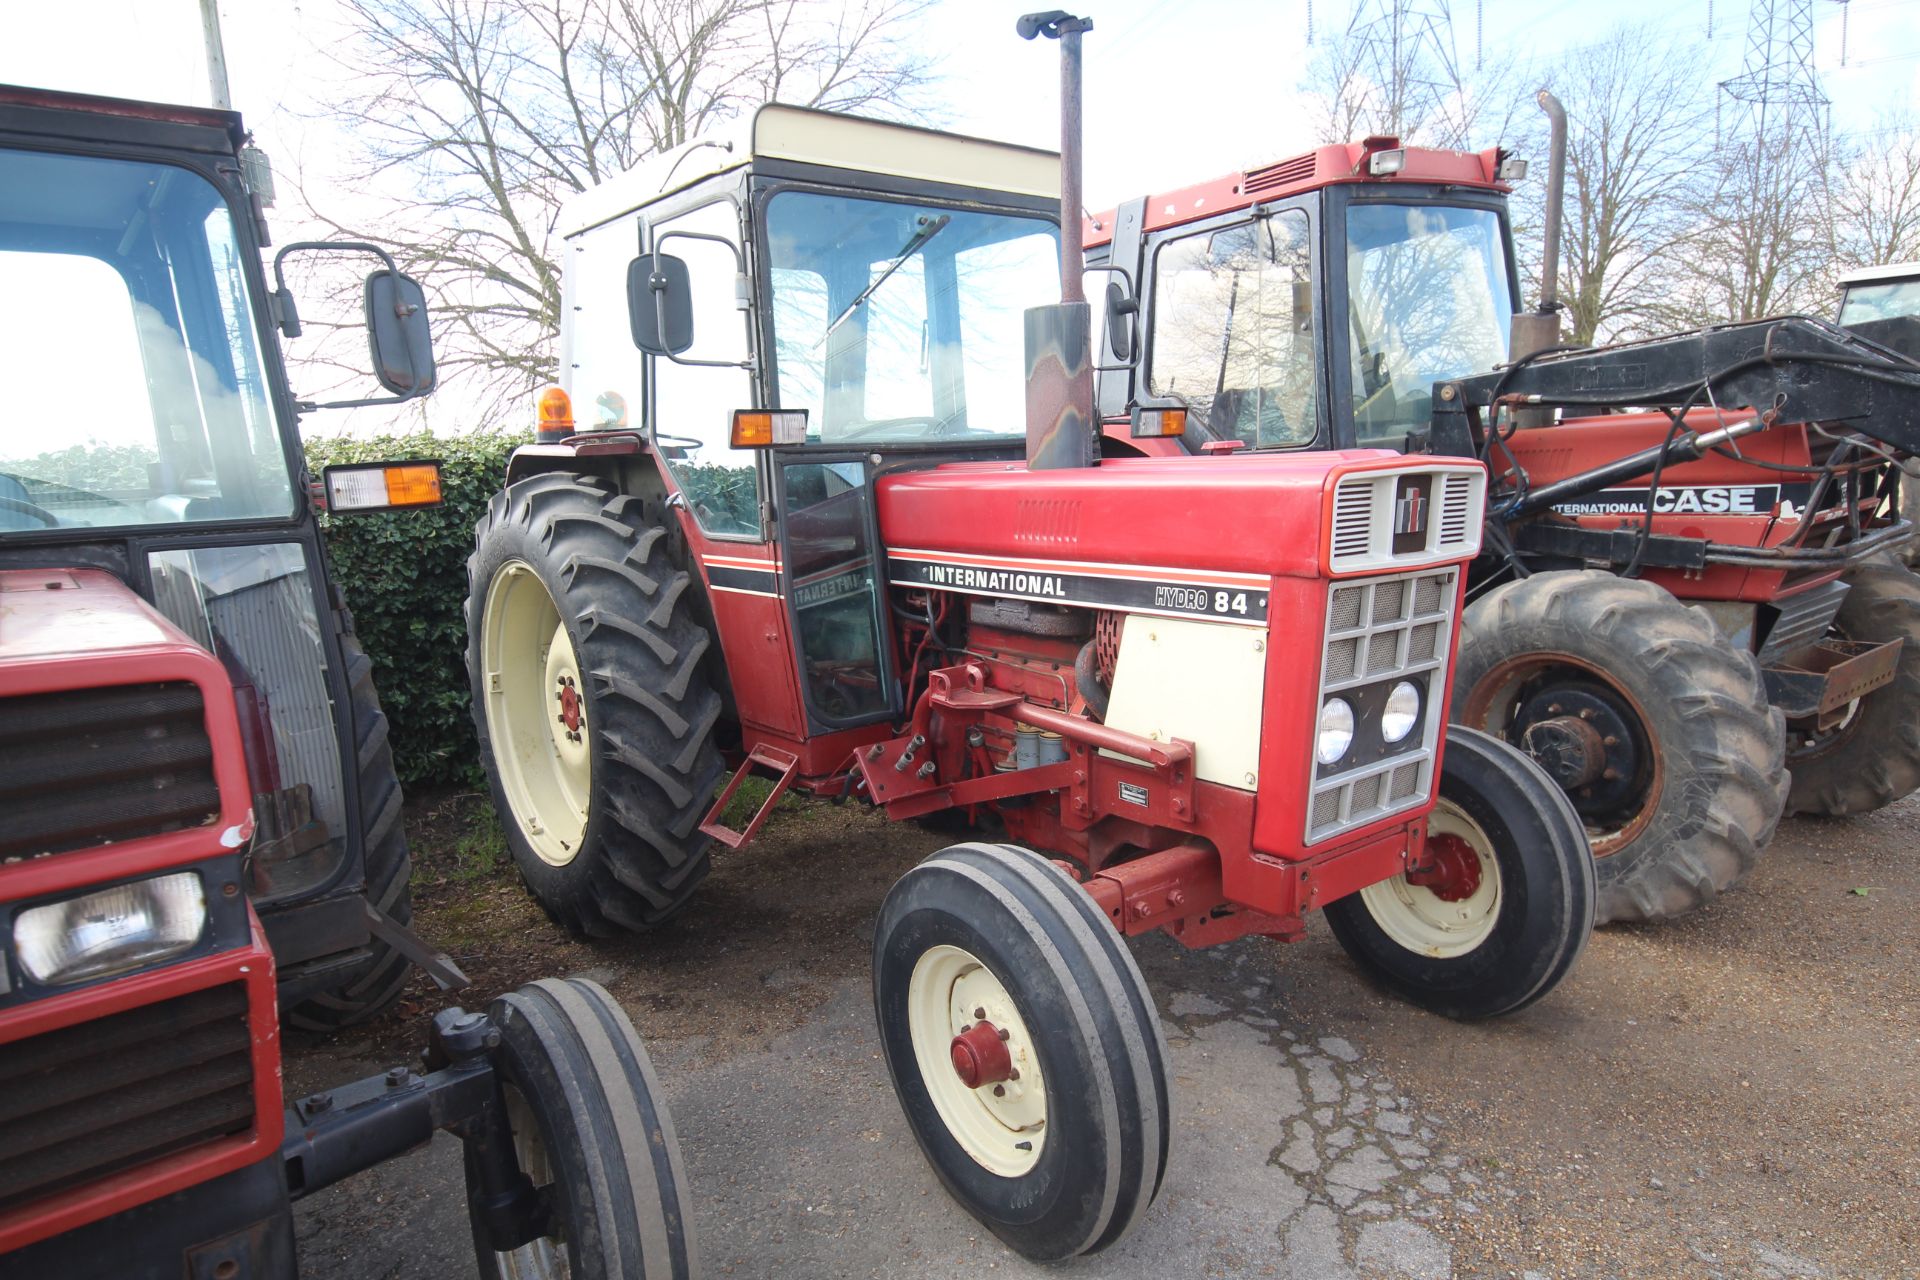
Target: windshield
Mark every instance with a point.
(902, 323)
(128, 350)
(1428, 301)
(1885, 301)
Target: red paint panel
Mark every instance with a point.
(1260, 514)
(1576, 445)
(251, 965)
(1321, 167)
(84, 629)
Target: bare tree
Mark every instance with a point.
(1875, 204)
(1393, 70)
(1638, 119)
(474, 119)
(1758, 244)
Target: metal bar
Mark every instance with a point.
(1556, 188)
(1684, 448)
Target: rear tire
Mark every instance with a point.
(1510, 924)
(1874, 758)
(590, 1124)
(389, 869)
(1005, 931)
(570, 590)
(1697, 755)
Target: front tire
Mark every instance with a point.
(1658, 729)
(591, 1128)
(389, 869)
(1873, 758)
(984, 939)
(1507, 906)
(592, 704)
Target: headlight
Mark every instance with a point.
(1335, 731)
(111, 931)
(1402, 713)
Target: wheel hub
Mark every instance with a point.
(1451, 872)
(569, 699)
(980, 1056)
(1583, 736)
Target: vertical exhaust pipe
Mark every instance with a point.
(1060, 420)
(1537, 330)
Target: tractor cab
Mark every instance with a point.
(1310, 303)
(154, 437)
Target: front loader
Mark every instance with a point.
(820, 499)
(1675, 602)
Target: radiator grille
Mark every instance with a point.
(103, 1096)
(1381, 630)
(90, 766)
(1446, 515)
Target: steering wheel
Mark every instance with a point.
(31, 509)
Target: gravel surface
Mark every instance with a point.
(1731, 1095)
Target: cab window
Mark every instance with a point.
(1233, 331)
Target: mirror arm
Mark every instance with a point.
(657, 283)
(285, 311)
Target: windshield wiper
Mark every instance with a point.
(929, 228)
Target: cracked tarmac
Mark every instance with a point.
(1323, 1131)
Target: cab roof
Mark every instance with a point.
(826, 138)
(1874, 275)
(83, 114)
(1309, 171)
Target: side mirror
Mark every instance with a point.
(1121, 309)
(398, 335)
(660, 304)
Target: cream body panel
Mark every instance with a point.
(1201, 681)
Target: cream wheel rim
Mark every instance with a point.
(1002, 1123)
(536, 713)
(544, 1258)
(1424, 922)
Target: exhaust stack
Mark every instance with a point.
(1533, 331)
(1061, 430)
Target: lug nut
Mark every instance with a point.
(999, 1091)
(980, 1014)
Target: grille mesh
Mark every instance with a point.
(1381, 629)
(1364, 534)
(87, 766)
(92, 1099)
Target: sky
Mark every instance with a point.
(1177, 91)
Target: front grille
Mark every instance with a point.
(90, 766)
(1380, 631)
(1446, 518)
(99, 1097)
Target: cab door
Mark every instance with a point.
(833, 579)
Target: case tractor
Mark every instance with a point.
(1677, 603)
(820, 500)
(200, 831)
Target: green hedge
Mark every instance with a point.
(405, 578)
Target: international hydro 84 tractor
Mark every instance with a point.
(806, 507)
(1673, 605)
(199, 821)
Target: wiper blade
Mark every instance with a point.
(929, 228)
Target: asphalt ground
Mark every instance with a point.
(1730, 1095)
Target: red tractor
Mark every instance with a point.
(1673, 605)
(828, 521)
(199, 820)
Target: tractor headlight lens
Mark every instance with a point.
(1402, 713)
(111, 931)
(1335, 731)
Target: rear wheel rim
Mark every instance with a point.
(536, 713)
(1002, 1123)
(544, 1258)
(1496, 703)
(1420, 919)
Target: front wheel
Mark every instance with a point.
(1500, 906)
(592, 1132)
(1024, 1048)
